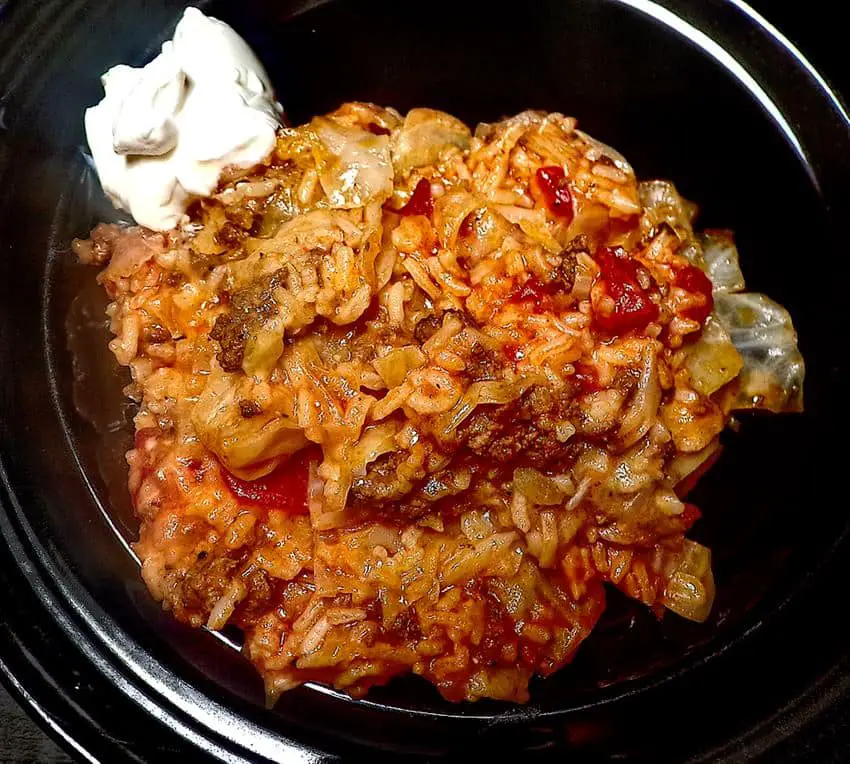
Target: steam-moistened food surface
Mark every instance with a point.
(410, 396)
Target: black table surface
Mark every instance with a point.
(827, 738)
(20, 740)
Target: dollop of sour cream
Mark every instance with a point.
(163, 134)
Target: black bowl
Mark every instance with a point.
(706, 94)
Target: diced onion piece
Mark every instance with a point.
(476, 525)
(564, 431)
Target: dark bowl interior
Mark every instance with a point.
(637, 76)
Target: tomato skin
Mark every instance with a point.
(618, 279)
(694, 280)
(514, 353)
(689, 516)
(377, 129)
(284, 489)
(421, 201)
(555, 188)
(586, 378)
(467, 227)
(535, 294)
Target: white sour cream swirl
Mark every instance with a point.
(163, 134)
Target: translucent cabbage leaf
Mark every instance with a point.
(263, 347)
(451, 209)
(394, 366)
(685, 470)
(662, 204)
(541, 489)
(713, 361)
(354, 165)
(423, 137)
(773, 369)
(250, 440)
(721, 262)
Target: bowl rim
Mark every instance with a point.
(59, 595)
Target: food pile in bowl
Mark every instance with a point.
(410, 395)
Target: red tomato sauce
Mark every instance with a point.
(633, 308)
(555, 189)
(284, 489)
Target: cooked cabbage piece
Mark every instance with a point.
(244, 426)
(424, 136)
(690, 590)
(721, 262)
(354, 165)
(773, 369)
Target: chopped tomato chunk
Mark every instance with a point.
(555, 188)
(586, 378)
(284, 489)
(628, 305)
(695, 281)
(376, 129)
(421, 202)
(535, 293)
(690, 515)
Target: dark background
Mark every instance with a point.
(815, 27)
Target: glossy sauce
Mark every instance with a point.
(633, 308)
(421, 202)
(284, 489)
(695, 281)
(555, 189)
